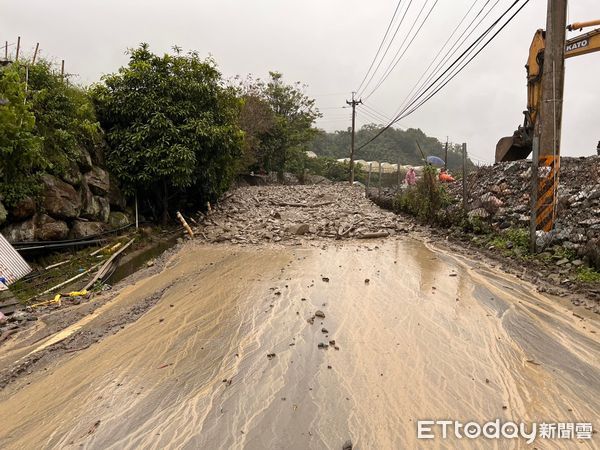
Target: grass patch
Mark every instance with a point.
(588, 275)
(512, 242)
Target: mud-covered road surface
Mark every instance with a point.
(229, 356)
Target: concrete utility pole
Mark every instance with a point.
(353, 103)
(549, 125)
(464, 177)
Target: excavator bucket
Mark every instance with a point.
(512, 148)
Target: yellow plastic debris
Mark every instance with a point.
(78, 293)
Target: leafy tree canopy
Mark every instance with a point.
(171, 125)
(44, 124)
(278, 120)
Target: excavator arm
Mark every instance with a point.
(519, 145)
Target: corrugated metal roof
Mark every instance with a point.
(12, 265)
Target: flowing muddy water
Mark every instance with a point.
(428, 336)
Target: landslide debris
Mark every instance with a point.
(291, 214)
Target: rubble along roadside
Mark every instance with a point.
(294, 215)
(498, 220)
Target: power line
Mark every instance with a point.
(441, 49)
(382, 116)
(372, 116)
(380, 45)
(399, 117)
(451, 52)
(396, 59)
(465, 53)
(387, 48)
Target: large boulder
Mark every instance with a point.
(60, 199)
(118, 219)
(3, 213)
(20, 231)
(94, 207)
(98, 181)
(72, 176)
(49, 229)
(115, 196)
(24, 209)
(84, 160)
(82, 229)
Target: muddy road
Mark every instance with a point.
(229, 356)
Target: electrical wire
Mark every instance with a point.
(457, 71)
(396, 59)
(439, 53)
(451, 52)
(462, 56)
(367, 113)
(399, 117)
(380, 114)
(380, 45)
(387, 49)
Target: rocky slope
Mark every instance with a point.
(500, 194)
(83, 202)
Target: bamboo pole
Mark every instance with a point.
(37, 47)
(64, 283)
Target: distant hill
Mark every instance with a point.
(392, 146)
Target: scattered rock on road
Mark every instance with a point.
(284, 214)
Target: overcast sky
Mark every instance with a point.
(327, 44)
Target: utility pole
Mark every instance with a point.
(37, 47)
(446, 155)
(18, 48)
(549, 125)
(353, 103)
(534, 193)
(464, 177)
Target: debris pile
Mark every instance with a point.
(501, 194)
(294, 213)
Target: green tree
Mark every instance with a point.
(290, 124)
(20, 148)
(65, 117)
(171, 125)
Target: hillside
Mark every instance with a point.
(392, 146)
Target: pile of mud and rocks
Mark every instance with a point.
(500, 194)
(293, 214)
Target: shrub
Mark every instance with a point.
(426, 200)
(172, 128)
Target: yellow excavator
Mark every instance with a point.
(519, 145)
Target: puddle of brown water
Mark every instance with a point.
(408, 350)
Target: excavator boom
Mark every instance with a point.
(519, 145)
